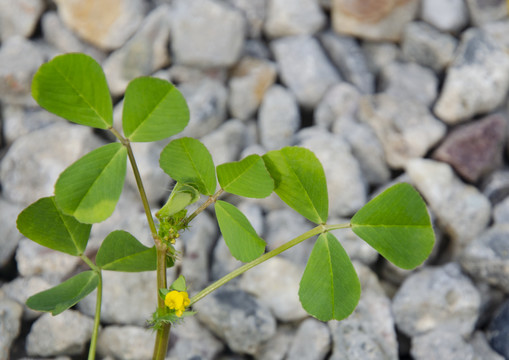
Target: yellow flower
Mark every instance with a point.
(178, 301)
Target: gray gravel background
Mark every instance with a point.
(381, 91)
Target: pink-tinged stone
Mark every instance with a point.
(373, 19)
(475, 149)
(106, 24)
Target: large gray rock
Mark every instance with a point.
(238, 318)
(143, 54)
(250, 79)
(106, 25)
(227, 141)
(409, 81)
(441, 345)
(482, 11)
(346, 53)
(255, 12)
(425, 45)
(477, 80)
(475, 149)
(405, 128)
(276, 348)
(487, 257)
(380, 54)
(20, 60)
(33, 163)
(294, 17)
(312, 341)
(10, 323)
(198, 242)
(126, 342)
(437, 298)
(19, 17)
(10, 234)
(33, 259)
(193, 341)
(278, 118)
(374, 20)
(128, 298)
(276, 284)
(368, 333)
(445, 15)
(346, 185)
(461, 210)
(207, 105)
(340, 101)
(21, 288)
(65, 334)
(304, 68)
(206, 33)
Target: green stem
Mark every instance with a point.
(163, 334)
(97, 317)
(203, 206)
(315, 231)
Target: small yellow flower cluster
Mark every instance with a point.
(178, 301)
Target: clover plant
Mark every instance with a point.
(73, 86)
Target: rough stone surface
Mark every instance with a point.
(21, 288)
(126, 342)
(405, 128)
(346, 53)
(143, 54)
(487, 257)
(250, 80)
(312, 341)
(439, 344)
(128, 298)
(482, 348)
(340, 101)
(106, 25)
(237, 318)
(227, 141)
(445, 15)
(409, 81)
(255, 12)
(374, 20)
(369, 332)
(31, 167)
(475, 149)
(206, 100)
(10, 235)
(304, 68)
(19, 17)
(293, 17)
(279, 118)
(276, 285)
(380, 54)
(461, 210)
(496, 186)
(482, 11)
(498, 330)
(10, 323)
(477, 80)
(192, 340)
(206, 33)
(277, 347)
(65, 334)
(425, 45)
(35, 260)
(436, 298)
(501, 212)
(346, 186)
(20, 60)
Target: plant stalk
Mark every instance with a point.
(97, 318)
(203, 206)
(320, 229)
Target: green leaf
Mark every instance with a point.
(329, 288)
(90, 188)
(44, 223)
(74, 87)
(153, 110)
(67, 294)
(396, 224)
(242, 240)
(188, 161)
(179, 284)
(120, 251)
(300, 181)
(181, 196)
(248, 177)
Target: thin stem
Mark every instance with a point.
(97, 317)
(161, 344)
(203, 206)
(315, 231)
